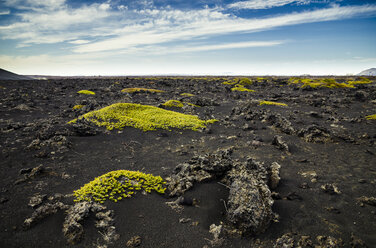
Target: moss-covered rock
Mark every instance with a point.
(132, 90)
(272, 103)
(143, 117)
(116, 185)
(86, 92)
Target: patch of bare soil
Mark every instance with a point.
(301, 175)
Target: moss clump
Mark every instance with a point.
(177, 104)
(173, 103)
(131, 90)
(272, 103)
(371, 117)
(229, 83)
(86, 92)
(318, 83)
(143, 117)
(76, 107)
(245, 81)
(240, 87)
(116, 185)
(187, 94)
(361, 80)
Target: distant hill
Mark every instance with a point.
(7, 75)
(369, 72)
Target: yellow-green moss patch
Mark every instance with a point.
(173, 103)
(187, 94)
(371, 117)
(75, 107)
(116, 185)
(131, 90)
(318, 83)
(86, 92)
(143, 117)
(239, 87)
(272, 103)
(361, 80)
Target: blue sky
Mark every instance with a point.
(218, 37)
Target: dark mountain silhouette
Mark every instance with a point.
(7, 75)
(369, 72)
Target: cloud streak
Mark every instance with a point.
(173, 25)
(264, 4)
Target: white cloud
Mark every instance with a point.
(264, 4)
(5, 12)
(172, 25)
(52, 21)
(79, 42)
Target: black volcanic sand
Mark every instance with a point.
(31, 110)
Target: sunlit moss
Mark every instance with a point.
(361, 80)
(173, 103)
(143, 117)
(131, 90)
(229, 83)
(76, 107)
(177, 104)
(371, 117)
(116, 185)
(239, 87)
(272, 103)
(86, 92)
(187, 94)
(245, 81)
(318, 83)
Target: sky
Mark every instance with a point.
(179, 37)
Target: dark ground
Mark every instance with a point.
(341, 153)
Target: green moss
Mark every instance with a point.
(116, 185)
(229, 83)
(143, 117)
(245, 81)
(75, 107)
(239, 87)
(361, 80)
(131, 90)
(318, 83)
(371, 117)
(272, 103)
(173, 103)
(86, 92)
(177, 104)
(187, 94)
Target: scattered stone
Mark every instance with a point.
(184, 220)
(329, 242)
(134, 241)
(36, 171)
(286, 241)
(249, 203)
(304, 186)
(367, 200)
(356, 242)
(333, 210)
(274, 175)
(73, 229)
(42, 212)
(310, 174)
(22, 107)
(330, 189)
(315, 134)
(362, 181)
(36, 200)
(280, 144)
(198, 169)
(293, 196)
(216, 231)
